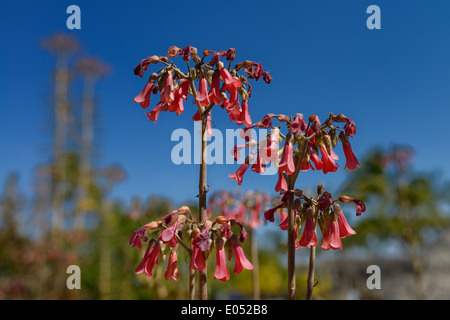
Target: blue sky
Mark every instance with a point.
(394, 82)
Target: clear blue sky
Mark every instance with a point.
(394, 82)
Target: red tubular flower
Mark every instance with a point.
(306, 165)
(315, 124)
(231, 83)
(169, 234)
(315, 159)
(180, 94)
(197, 260)
(144, 97)
(244, 117)
(214, 92)
(254, 70)
(267, 77)
(270, 214)
(344, 228)
(351, 161)
(266, 122)
(235, 152)
(284, 219)
(330, 231)
(233, 109)
(360, 206)
(225, 230)
(202, 240)
(173, 51)
(221, 273)
(260, 165)
(231, 54)
(143, 65)
(187, 51)
(269, 151)
(239, 174)
(241, 261)
(199, 244)
(333, 155)
(137, 236)
(309, 237)
(172, 267)
(350, 128)
(202, 95)
(329, 165)
(287, 161)
(325, 201)
(281, 183)
(150, 260)
(144, 260)
(167, 91)
(298, 124)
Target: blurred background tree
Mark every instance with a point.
(408, 210)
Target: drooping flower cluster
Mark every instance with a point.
(309, 212)
(313, 143)
(179, 227)
(217, 84)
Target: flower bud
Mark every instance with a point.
(162, 247)
(315, 123)
(298, 221)
(153, 225)
(221, 220)
(181, 219)
(267, 77)
(220, 65)
(337, 208)
(195, 233)
(309, 212)
(327, 142)
(206, 52)
(320, 188)
(345, 199)
(189, 235)
(173, 51)
(153, 59)
(248, 64)
(196, 58)
(243, 93)
(340, 118)
(208, 224)
(153, 77)
(334, 138)
(239, 66)
(219, 242)
(231, 54)
(183, 210)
